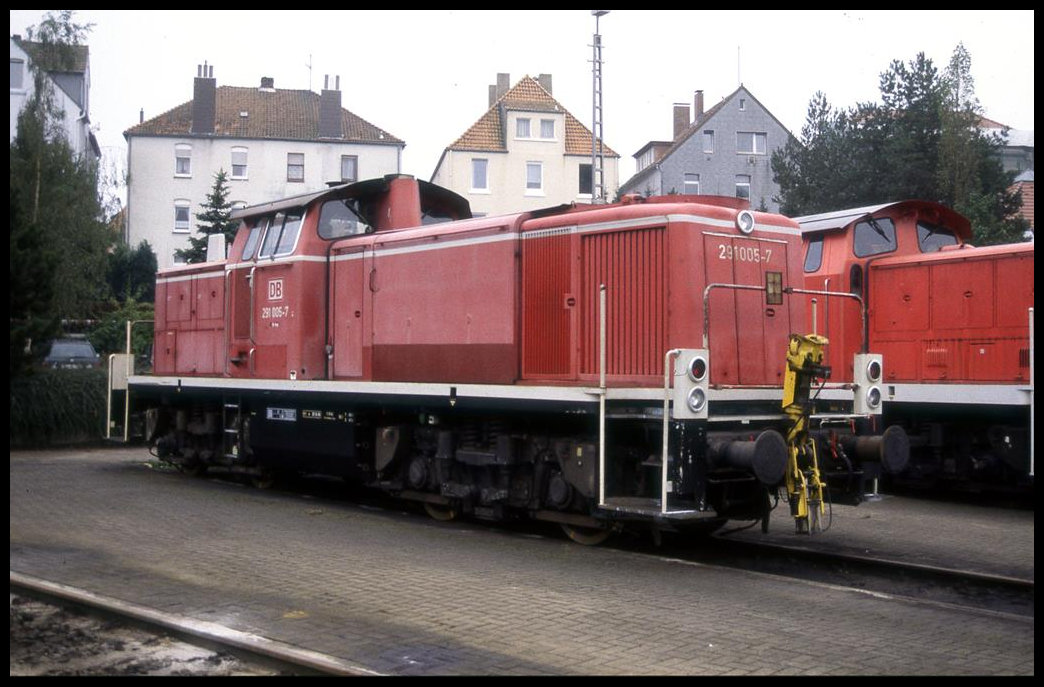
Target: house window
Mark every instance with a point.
(295, 166)
(182, 160)
(743, 104)
(479, 174)
(522, 128)
(534, 177)
(349, 168)
(751, 142)
(743, 186)
(692, 184)
(586, 180)
(178, 259)
(547, 128)
(708, 141)
(17, 75)
(239, 163)
(181, 217)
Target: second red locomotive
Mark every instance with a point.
(954, 324)
(588, 365)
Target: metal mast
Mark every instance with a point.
(597, 153)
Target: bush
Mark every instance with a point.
(58, 407)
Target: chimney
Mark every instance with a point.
(141, 116)
(267, 83)
(699, 105)
(500, 88)
(681, 119)
(545, 81)
(330, 110)
(204, 100)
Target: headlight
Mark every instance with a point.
(696, 399)
(873, 397)
(873, 370)
(697, 368)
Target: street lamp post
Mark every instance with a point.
(597, 154)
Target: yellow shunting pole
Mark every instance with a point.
(804, 488)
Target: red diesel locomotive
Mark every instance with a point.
(592, 365)
(954, 324)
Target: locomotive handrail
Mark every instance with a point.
(601, 392)
(706, 304)
(667, 373)
(788, 290)
(843, 294)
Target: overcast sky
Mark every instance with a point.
(423, 75)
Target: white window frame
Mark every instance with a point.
(708, 140)
(479, 164)
(292, 164)
(182, 226)
(523, 127)
(241, 153)
(354, 161)
(183, 151)
(20, 86)
(544, 133)
(692, 184)
(751, 143)
(743, 182)
(534, 187)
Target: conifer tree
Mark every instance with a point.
(215, 218)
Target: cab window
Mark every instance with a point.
(288, 237)
(814, 255)
(873, 237)
(281, 234)
(252, 240)
(339, 218)
(932, 237)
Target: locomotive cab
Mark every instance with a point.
(280, 259)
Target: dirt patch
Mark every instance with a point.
(50, 640)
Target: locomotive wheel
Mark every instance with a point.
(440, 512)
(193, 469)
(263, 480)
(588, 536)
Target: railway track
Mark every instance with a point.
(111, 637)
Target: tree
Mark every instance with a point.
(923, 140)
(132, 273)
(216, 218)
(58, 242)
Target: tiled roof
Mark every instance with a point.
(283, 114)
(487, 134)
(55, 58)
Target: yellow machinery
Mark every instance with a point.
(804, 488)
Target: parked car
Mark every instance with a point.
(72, 354)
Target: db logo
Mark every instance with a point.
(275, 290)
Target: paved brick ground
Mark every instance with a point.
(410, 596)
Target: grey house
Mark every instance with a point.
(724, 151)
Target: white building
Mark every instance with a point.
(69, 78)
(525, 153)
(271, 143)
